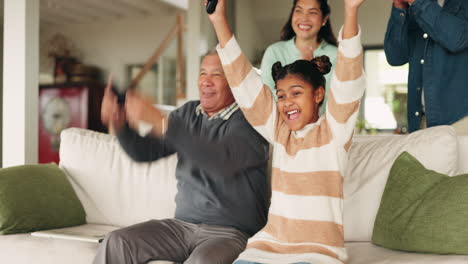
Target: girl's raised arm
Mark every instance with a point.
(254, 98)
(348, 80)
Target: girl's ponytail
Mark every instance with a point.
(276, 70)
(322, 63)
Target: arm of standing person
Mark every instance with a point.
(254, 98)
(396, 43)
(445, 28)
(348, 81)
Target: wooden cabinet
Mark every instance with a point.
(66, 105)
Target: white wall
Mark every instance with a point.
(20, 92)
(200, 39)
(112, 46)
(247, 30)
(271, 15)
(1, 94)
(373, 18)
(257, 23)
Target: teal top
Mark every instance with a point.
(286, 52)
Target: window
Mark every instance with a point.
(384, 105)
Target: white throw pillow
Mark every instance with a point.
(114, 189)
(369, 164)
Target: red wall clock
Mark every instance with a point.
(65, 106)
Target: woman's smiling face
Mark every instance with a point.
(307, 19)
(298, 103)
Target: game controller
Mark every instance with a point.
(120, 95)
(211, 6)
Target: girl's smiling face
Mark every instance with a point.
(307, 19)
(298, 103)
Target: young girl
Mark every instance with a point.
(306, 34)
(305, 222)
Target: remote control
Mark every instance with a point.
(211, 6)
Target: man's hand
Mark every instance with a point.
(112, 114)
(138, 108)
(108, 103)
(402, 4)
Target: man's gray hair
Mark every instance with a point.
(212, 51)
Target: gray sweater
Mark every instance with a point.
(221, 169)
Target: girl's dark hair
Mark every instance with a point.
(325, 33)
(312, 71)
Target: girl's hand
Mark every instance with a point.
(353, 4)
(220, 12)
(220, 24)
(350, 28)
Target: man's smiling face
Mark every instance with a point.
(214, 90)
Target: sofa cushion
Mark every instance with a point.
(369, 163)
(114, 189)
(462, 154)
(422, 210)
(26, 249)
(367, 253)
(37, 197)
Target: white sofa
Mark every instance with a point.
(116, 191)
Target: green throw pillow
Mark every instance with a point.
(37, 197)
(422, 210)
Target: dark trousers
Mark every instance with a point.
(172, 240)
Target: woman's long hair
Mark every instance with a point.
(325, 33)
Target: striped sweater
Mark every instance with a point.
(305, 220)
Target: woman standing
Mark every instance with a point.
(307, 34)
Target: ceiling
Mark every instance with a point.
(72, 12)
(59, 12)
(92, 11)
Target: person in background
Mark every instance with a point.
(222, 187)
(305, 219)
(306, 34)
(432, 35)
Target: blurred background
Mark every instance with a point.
(78, 43)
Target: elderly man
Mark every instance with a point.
(223, 193)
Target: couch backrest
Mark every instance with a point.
(112, 188)
(116, 190)
(370, 160)
(463, 154)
